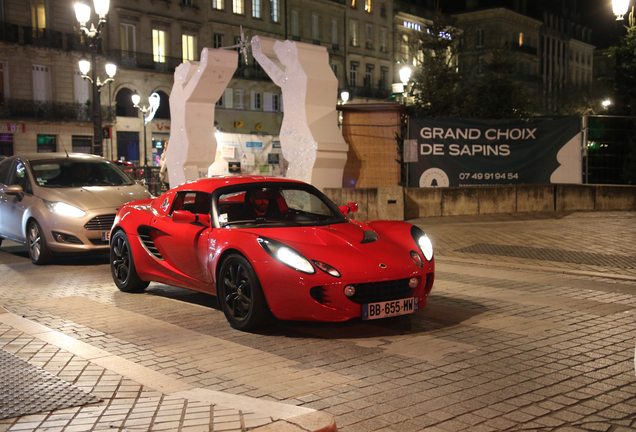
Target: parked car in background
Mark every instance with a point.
(271, 246)
(62, 204)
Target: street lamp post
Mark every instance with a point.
(92, 35)
(148, 112)
(405, 76)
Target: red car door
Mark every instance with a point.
(184, 246)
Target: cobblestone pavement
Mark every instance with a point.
(531, 326)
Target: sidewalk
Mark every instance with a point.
(133, 397)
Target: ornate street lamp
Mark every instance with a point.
(620, 8)
(92, 36)
(405, 76)
(148, 112)
(344, 95)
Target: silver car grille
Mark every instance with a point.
(101, 223)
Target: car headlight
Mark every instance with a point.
(286, 255)
(423, 242)
(64, 209)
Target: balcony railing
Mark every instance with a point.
(144, 61)
(46, 110)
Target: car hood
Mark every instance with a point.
(341, 245)
(95, 197)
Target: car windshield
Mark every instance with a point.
(66, 173)
(275, 206)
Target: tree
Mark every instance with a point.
(434, 81)
(624, 54)
(495, 94)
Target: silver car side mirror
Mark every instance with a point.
(13, 190)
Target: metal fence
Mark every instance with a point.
(611, 148)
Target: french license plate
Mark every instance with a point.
(105, 235)
(390, 308)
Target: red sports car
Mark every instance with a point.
(268, 246)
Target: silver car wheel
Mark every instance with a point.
(38, 249)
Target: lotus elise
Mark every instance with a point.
(271, 246)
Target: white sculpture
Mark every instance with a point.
(310, 139)
(197, 87)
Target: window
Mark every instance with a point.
(295, 30)
(217, 4)
(38, 14)
(384, 71)
(353, 4)
(256, 9)
(127, 37)
(220, 103)
(256, 103)
(239, 99)
(520, 39)
(368, 33)
(383, 39)
(20, 177)
(353, 74)
(82, 144)
(47, 143)
(2, 92)
(6, 144)
(368, 76)
(367, 6)
(228, 98)
(334, 32)
(270, 101)
(41, 83)
(218, 40)
(353, 30)
(405, 48)
(81, 88)
(315, 28)
(188, 47)
(274, 9)
(334, 68)
(479, 43)
(238, 7)
(188, 2)
(159, 46)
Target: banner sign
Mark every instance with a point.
(466, 152)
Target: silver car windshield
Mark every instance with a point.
(73, 173)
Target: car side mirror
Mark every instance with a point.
(349, 208)
(186, 217)
(13, 190)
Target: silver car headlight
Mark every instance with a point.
(64, 209)
(423, 242)
(286, 255)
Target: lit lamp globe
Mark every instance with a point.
(111, 69)
(620, 8)
(135, 98)
(405, 75)
(344, 95)
(84, 65)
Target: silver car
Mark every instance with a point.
(62, 204)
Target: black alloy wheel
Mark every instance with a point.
(240, 295)
(122, 265)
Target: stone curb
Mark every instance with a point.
(537, 268)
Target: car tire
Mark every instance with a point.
(39, 251)
(122, 265)
(240, 295)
